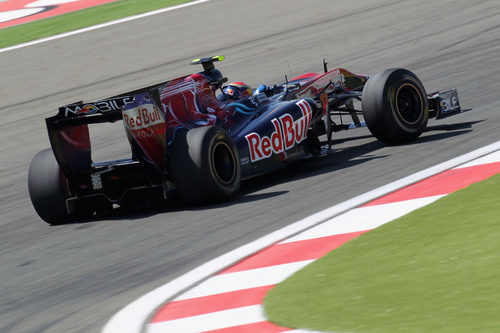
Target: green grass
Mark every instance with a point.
(80, 19)
(436, 269)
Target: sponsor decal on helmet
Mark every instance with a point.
(229, 91)
(287, 132)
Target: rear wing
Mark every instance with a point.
(69, 134)
(104, 110)
(105, 106)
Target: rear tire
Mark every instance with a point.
(395, 106)
(48, 188)
(205, 165)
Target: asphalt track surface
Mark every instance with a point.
(73, 278)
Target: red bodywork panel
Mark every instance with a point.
(313, 84)
(306, 76)
(186, 102)
(71, 147)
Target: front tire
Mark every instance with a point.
(48, 188)
(205, 165)
(395, 106)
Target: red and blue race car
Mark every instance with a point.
(190, 141)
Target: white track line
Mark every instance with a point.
(490, 158)
(133, 317)
(99, 26)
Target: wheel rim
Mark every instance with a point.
(409, 104)
(224, 163)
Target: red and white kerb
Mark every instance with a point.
(230, 301)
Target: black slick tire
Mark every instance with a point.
(395, 106)
(205, 165)
(48, 188)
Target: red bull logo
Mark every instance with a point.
(146, 124)
(287, 133)
(142, 117)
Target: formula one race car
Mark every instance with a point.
(187, 142)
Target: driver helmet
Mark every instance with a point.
(237, 90)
